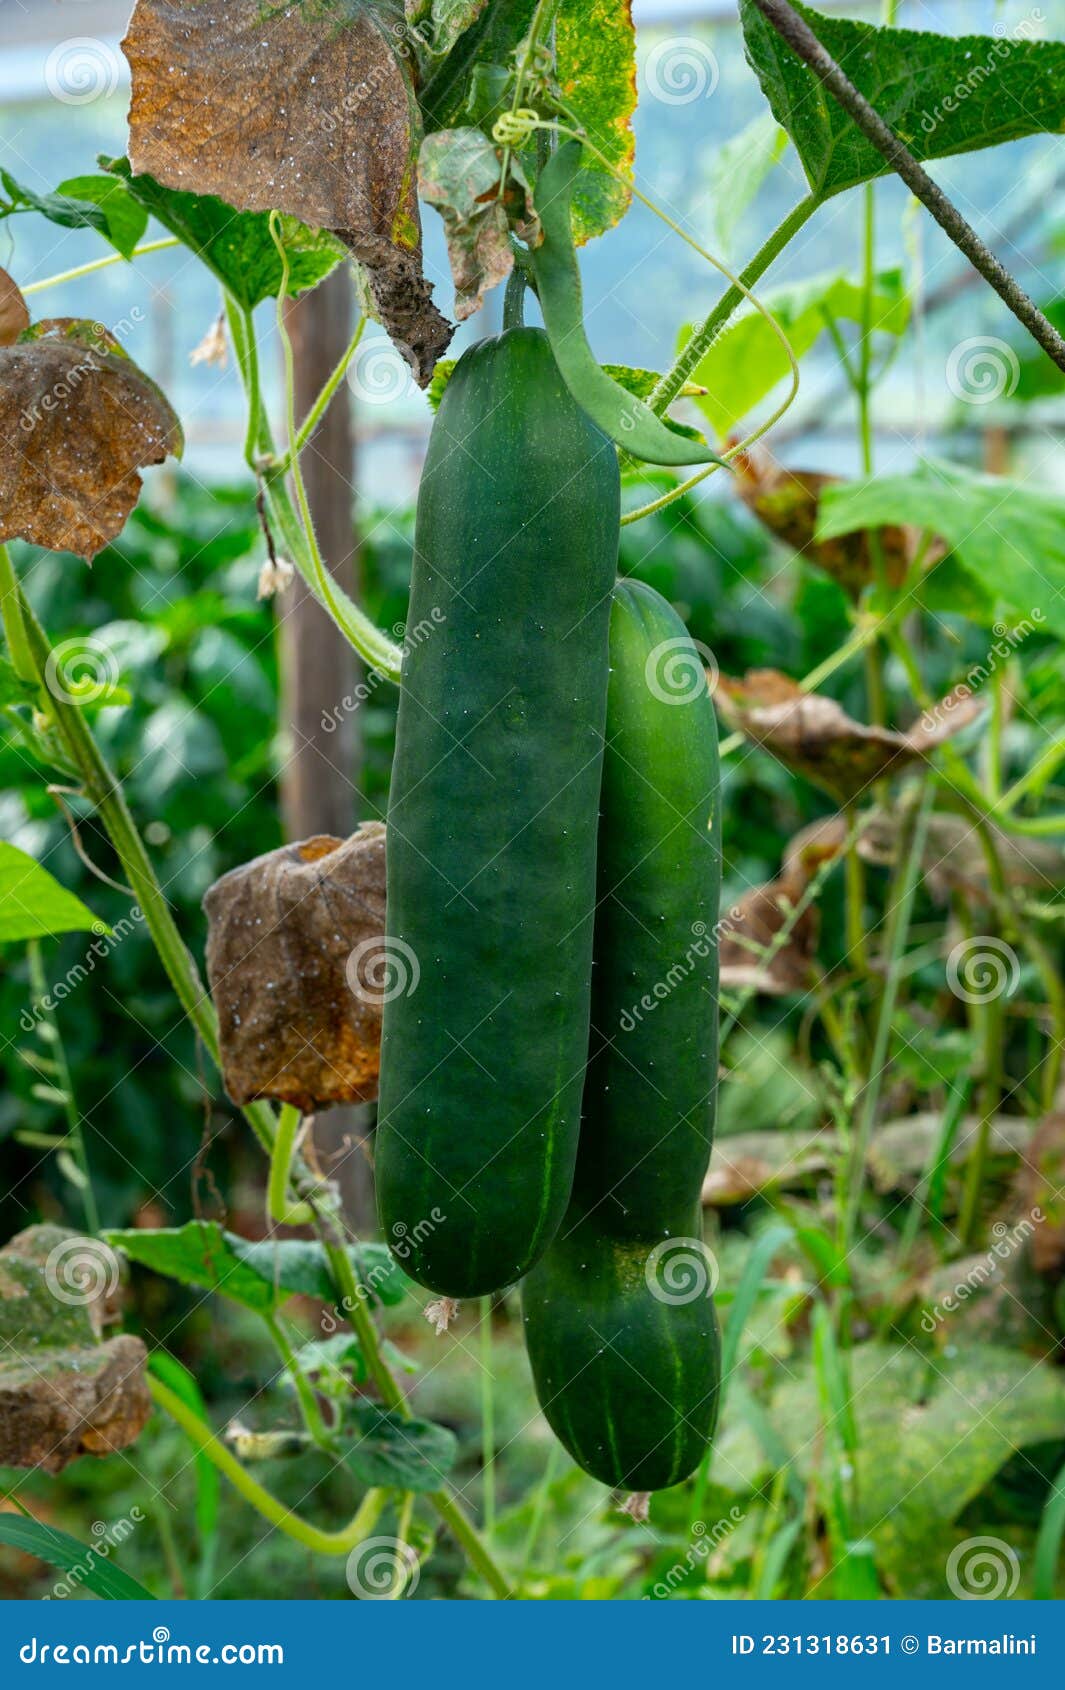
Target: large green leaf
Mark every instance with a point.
(86, 202)
(396, 1453)
(490, 41)
(941, 94)
(236, 245)
(33, 905)
(86, 1562)
(595, 51)
(746, 360)
(1008, 537)
(262, 1274)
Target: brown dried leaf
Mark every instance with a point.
(744, 1164)
(816, 738)
(14, 312)
(1041, 1186)
(752, 955)
(77, 419)
(955, 859)
(787, 502)
(458, 172)
(62, 1393)
(301, 109)
(295, 948)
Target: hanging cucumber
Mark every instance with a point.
(629, 421)
(619, 1319)
(492, 821)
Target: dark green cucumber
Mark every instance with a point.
(619, 1319)
(492, 822)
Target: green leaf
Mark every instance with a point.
(739, 169)
(439, 23)
(941, 94)
(261, 1275)
(235, 245)
(333, 1363)
(491, 40)
(58, 1549)
(396, 1453)
(595, 55)
(58, 208)
(125, 218)
(33, 905)
(746, 361)
(1007, 536)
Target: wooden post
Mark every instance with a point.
(320, 780)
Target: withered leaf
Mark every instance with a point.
(62, 1393)
(295, 948)
(754, 950)
(954, 858)
(787, 501)
(816, 738)
(744, 1164)
(302, 109)
(77, 419)
(14, 314)
(458, 173)
(1041, 1186)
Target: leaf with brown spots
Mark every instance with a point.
(458, 172)
(765, 946)
(295, 947)
(788, 501)
(816, 738)
(595, 51)
(77, 420)
(63, 1392)
(303, 108)
(14, 314)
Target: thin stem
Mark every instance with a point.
(703, 338)
(801, 38)
(1043, 767)
(14, 627)
(854, 899)
(322, 403)
(104, 792)
(75, 1131)
(99, 264)
(312, 1414)
(206, 1443)
(253, 388)
(277, 1201)
(539, 1509)
(488, 1437)
(374, 647)
(871, 1096)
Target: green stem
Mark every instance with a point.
(373, 646)
(277, 1202)
(854, 900)
(205, 1442)
(14, 627)
(539, 1509)
(1043, 767)
(312, 1414)
(105, 794)
(75, 1130)
(871, 1097)
(488, 1438)
(702, 339)
(100, 264)
(322, 403)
